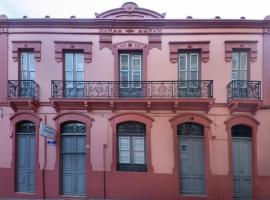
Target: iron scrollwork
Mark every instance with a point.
(132, 89)
(23, 89)
(244, 89)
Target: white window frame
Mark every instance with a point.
(66, 69)
(74, 66)
(74, 82)
(121, 70)
(238, 71)
(138, 150)
(131, 149)
(197, 63)
(26, 55)
(240, 63)
(139, 57)
(194, 85)
(121, 149)
(179, 70)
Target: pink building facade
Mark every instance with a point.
(143, 107)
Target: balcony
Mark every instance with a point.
(132, 95)
(23, 94)
(244, 96)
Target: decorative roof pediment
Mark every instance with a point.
(130, 10)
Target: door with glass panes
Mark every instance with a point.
(74, 75)
(25, 157)
(188, 73)
(130, 74)
(73, 158)
(191, 159)
(27, 75)
(240, 74)
(242, 162)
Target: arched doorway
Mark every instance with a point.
(25, 157)
(73, 158)
(191, 158)
(242, 161)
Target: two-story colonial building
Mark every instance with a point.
(143, 107)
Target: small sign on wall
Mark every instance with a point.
(51, 143)
(47, 131)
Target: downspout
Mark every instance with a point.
(45, 164)
(104, 171)
(104, 160)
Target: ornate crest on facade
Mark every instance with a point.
(130, 10)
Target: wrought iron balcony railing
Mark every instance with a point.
(244, 90)
(23, 89)
(132, 89)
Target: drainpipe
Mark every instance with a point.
(104, 171)
(104, 157)
(44, 169)
(45, 163)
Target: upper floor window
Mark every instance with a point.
(188, 74)
(130, 74)
(131, 146)
(27, 86)
(240, 65)
(130, 68)
(27, 66)
(188, 66)
(241, 86)
(74, 75)
(74, 67)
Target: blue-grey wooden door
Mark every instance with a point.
(25, 161)
(73, 163)
(191, 164)
(242, 167)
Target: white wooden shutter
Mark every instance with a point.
(69, 67)
(182, 69)
(124, 70)
(194, 66)
(79, 62)
(136, 70)
(138, 150)
(27, 66)
(124, 149)
(234, 66)
(243, 66)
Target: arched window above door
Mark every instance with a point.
(131, 128)
(73, 127)
(25, 127)
(241, 131)
(190, 129)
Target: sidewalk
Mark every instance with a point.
(67, 198)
